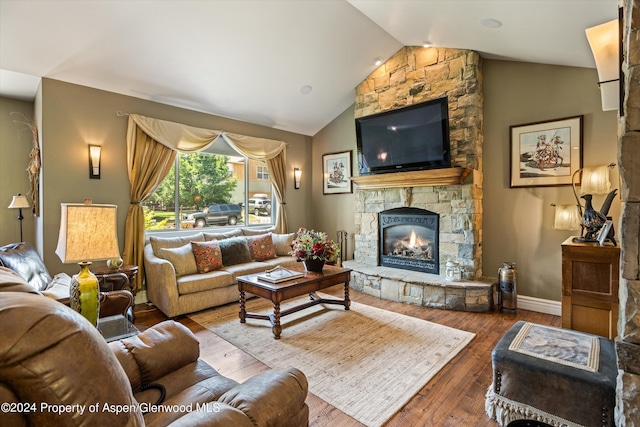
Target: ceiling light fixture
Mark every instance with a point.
(305, 90)
(378, 61)
(491, 23)
(426, 44)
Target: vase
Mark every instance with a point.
(313, 264)
(84, 295)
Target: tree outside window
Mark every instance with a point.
(202, 182)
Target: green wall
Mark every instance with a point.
(15, 145)
(517, 222)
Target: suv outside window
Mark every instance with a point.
(220, 214)
(259, 206)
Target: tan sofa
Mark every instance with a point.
(57, 370)
(176, 287)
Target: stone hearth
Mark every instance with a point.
(414, 75)
(427, 290)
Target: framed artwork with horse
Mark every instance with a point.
(546, 153)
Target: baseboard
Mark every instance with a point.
(524, 302)
(540, 305)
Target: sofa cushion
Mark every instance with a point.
(257, 231)
(246, 268)
(156, 352)
(182, 258)
(261, 247)
(204, 282)
(282, 243)
(172, 242)
(235, 251)
(223, 235)
(25, 260)
(208, 256)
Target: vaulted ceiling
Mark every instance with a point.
(291, 65)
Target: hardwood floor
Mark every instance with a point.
(454, 397)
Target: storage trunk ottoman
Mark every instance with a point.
(557, 376)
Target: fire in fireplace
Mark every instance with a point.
(409, 239)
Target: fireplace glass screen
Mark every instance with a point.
(409, 239)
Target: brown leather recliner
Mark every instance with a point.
(56, 369)
(24, 259)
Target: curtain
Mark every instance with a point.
(149, 162)
(151, 150)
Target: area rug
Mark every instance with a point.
(367, 362)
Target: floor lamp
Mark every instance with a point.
(19, 202)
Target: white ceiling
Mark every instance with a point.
(249, 59)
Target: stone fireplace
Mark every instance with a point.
(453, 195)
(409, 239)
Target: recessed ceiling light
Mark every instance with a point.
(491, 23)
(426, 44)
(305, 90)
(378, 61)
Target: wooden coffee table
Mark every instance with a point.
(278, 292)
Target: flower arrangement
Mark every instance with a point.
(310, 244)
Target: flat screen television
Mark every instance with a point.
(409, 138)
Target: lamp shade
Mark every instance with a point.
(567, 218)
(604, 40)
(595, 180)
(19, 202)
(87, 233)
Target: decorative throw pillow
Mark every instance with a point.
(261, 247)
(282, 243)
(208, 256)
(182, 259)
(234, 251)
(172, 242)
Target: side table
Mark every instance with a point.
(116, 327)
(129, 270)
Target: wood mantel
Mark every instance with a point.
(423, 178)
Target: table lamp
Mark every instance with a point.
(87, 233)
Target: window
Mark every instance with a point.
(210, 189)
(261, 172)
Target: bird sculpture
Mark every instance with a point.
(592, 220)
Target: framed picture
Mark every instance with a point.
(546, 154)
(336, 170)
(604, 232)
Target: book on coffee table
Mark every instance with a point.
(279, 274)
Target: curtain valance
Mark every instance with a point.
(185, 138)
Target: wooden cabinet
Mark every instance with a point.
(590, 277)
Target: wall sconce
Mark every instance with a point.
(297, 174)
(94, 161)
(604, 40)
